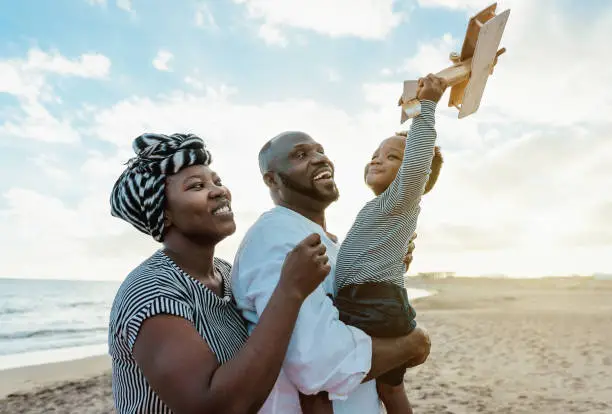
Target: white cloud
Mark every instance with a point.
(539, 38)
(458, 4)
(194, 82)
(50, 166)
(39, 124)
(332, 75)
(368, 19)
(497, 196)
(27, 81)
(527, 192)
(88, 65)
(14, 81)
(272, 35)
(430, 57)
(125, 5)
(162, 60)
(495, 203)
(61, 238)
(204, 17)
(26, 78)
(522, 190)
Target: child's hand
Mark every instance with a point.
(431, 88)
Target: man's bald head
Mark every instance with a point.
(297, 171)
(279, 147)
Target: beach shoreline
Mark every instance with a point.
(498, 346)
(34, 377)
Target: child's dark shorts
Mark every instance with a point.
(380, 310)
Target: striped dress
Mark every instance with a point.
(374, 247)
(159, 286)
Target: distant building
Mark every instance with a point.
(495, 276)
(435, 275)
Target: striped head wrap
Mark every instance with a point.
(138, 196)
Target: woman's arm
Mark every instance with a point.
(184, 372)
(182, 369)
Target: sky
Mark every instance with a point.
(525, 186)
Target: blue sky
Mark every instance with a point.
(523, 177)
(229, 52)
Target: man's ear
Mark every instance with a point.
(271, 180)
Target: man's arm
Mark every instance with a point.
(388, 353)
(324, 354)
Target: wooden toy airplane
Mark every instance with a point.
(468, 75)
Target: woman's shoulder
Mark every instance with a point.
(151, 271)
(152, 278)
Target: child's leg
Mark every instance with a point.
(394, 398)
(316, 404)
(381, 310)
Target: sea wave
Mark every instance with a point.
(51, 321)
(83, 304)
(14, 311)
(41, 333)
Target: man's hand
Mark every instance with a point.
(437, 158)
(387, 353)
(408, 256)
(419, 344)
(431, 88)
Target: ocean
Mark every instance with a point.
(44, 321)
(52, 320)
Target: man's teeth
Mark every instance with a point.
(323, 175)
(222, 210)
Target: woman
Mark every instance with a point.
(177, 342)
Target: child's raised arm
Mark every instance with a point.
(436, 165)
(407, 188)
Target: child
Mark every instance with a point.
(394, 396)
(370, 267)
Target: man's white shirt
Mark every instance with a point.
(324, 354)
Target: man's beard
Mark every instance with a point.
(310, 192)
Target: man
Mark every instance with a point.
(324, 354)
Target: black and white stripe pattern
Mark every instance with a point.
(374, 247)
(159, 286)
(138, 195)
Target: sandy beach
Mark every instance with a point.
(499, 346)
